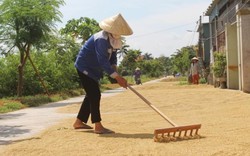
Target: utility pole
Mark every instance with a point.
(200, 48)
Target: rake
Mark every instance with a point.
(174, 133)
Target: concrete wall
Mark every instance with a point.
(232, 57)
(246, 52)
(243, 24)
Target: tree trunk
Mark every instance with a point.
(20, 75)
(20, 68)
(25, 52)
(20, 81)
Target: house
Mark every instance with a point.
(229, 33)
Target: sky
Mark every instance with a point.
(160, 26)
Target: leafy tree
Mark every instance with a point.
(123, 51)
(81, 29)
(130, 60)
(167, 64)
(181, 60)
(152, 68)
(147, 56)
(61, 44)
(26, 23)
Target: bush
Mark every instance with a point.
(33, 101)
(202, 81)
(220, 63)
(8, 76)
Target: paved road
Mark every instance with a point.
(27, 122)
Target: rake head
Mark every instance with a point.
(177, 133)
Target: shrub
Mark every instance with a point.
(202, 81)
(220, 63)
(33, 101)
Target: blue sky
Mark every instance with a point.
(160, 26)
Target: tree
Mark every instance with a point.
(129, 61)
(148, 56)
(123, 51)
(167, 64)
(81, 29)
(152, 68)
(181, 59)
(26, 23)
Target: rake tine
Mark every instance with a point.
(191, 132)
(180, 133)
(196, 132)
(185, 134)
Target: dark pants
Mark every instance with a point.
(91, 102)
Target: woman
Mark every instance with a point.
(98, 54)
(194, 70)
(137, 76)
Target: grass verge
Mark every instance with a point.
(10, 105)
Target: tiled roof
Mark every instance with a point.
(211, 6)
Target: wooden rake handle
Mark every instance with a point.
(152, 106)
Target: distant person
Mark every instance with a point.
(98, 54)
(137, 76)
(194, 70)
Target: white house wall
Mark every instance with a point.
(232, 56)
(243, 26)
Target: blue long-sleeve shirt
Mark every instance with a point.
(96, 56)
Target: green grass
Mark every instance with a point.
(184, 81)
(10, 105)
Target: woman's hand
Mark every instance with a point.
(121, 81)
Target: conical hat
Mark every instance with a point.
(116, 25)
(195, 58)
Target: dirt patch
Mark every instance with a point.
(224, 115)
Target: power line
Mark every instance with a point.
(152, 33)
(194, 32)
(223, 16)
